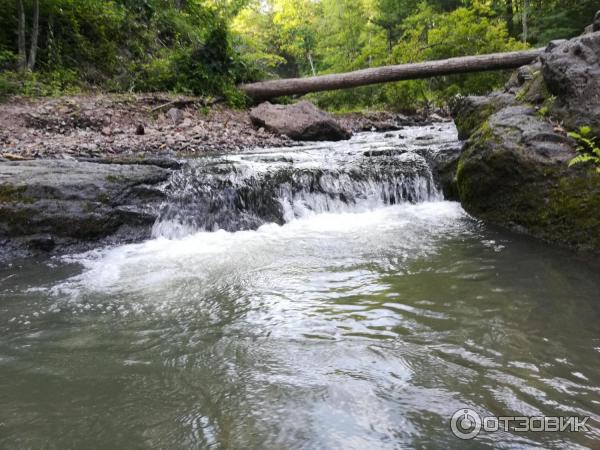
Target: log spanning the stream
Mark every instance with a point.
(464, 64)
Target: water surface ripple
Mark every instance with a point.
(361, 328)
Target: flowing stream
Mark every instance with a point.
(323, 297)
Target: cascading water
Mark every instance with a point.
(321, 297)
(239, 192)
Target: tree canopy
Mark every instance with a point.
(206, 47)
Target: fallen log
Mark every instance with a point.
(464, 64)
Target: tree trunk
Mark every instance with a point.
(464, 64)
(524, 17)
(312, 66)
(21, 37)
(509, 17)
(35, 31)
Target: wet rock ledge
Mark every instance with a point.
(513, 170)
(59, 205)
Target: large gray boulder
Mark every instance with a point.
(514, 172)
(571, 72)
(301, 121)
(70, 205)
(514, 168)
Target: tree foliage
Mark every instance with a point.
(125, 45)
(206, 47)
(344, 35)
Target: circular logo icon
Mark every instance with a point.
(465, 423)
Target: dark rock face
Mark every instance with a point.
(301, 121)
(571, 72)
(55, 205)
(443, 167)
(513, 170)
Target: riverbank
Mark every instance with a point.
(104, 126)
(149, 125)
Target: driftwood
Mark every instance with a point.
(464, 64)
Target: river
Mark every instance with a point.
(324, 297)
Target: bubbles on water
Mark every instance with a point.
(493, 245)
(287, 271)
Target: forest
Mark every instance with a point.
(207, 47)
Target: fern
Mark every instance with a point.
(588, 147)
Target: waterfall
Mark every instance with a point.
(245, 191)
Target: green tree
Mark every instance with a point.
(432, 35)
(179, 45)
(296, 25)
(207, 46)
(391, 15)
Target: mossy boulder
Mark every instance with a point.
(470, 112)
(514, 168)
(514, 172)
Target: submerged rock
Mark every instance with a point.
(47, 205)
(513, 170)
(301, 121)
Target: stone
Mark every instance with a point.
(514, 172)
(443, 165)
(43, 243)
(176, 115)
(55, 205)
(571, 72)
(514, 168)
(301, 122)
(470, 112)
